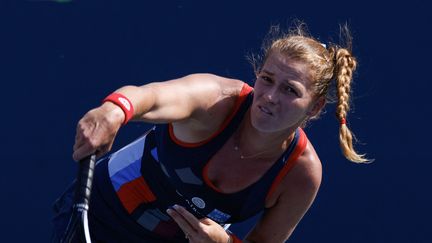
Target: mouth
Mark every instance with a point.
(265, 110)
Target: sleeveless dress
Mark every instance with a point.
(134, 186)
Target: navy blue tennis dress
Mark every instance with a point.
(134, 186)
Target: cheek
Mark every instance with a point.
(259, 88)
(258, 92)
(293, 111)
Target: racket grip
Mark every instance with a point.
(84, 182)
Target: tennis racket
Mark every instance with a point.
(78, 222)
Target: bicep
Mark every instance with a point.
(182, 98)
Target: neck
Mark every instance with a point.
(252, 140)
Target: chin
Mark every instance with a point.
(262, 126)
(259, 122)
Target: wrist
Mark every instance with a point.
(122, 103)
(113, 112)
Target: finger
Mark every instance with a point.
(83, 146)
(77, 144)
(85, 150)
(207, 221)
(79, 141)
(78, 138)
(83, 132)
(181, 222)
(102, 150)
(190, 218)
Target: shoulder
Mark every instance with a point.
(215, 90)
(304, 179)
(307, 172)
(208, 89)
(215, 96)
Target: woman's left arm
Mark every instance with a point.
(297, 193)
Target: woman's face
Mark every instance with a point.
(283, 96)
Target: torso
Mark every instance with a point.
(226, 170)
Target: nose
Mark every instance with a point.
(272, 96)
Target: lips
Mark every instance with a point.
(265, 110)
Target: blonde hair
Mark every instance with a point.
(327, 63)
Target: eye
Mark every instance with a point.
(266, 79)
(289, 89)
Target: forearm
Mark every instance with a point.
(142, 99)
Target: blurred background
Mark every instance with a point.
(58, 59)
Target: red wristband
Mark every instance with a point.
(124, 103)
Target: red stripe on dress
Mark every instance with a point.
(246, 89)
(134, 193)
(235, 239)
(207, 179)
(298, 150)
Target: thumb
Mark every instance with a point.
(207, 221)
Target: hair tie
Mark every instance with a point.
(343, 121)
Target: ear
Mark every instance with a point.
(317, 107)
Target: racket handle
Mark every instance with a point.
(84, 182)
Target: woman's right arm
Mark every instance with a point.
(160, 102)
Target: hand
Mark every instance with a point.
(96, 131)
(198, 231)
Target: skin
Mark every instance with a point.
(197, 105)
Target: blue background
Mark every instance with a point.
(58, 60)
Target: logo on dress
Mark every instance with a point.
(198, 202)
(218, 216)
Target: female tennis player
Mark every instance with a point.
(220, 152)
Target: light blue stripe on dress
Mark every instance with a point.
(126, 156)
(131, 172)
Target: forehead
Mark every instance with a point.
(287, 68)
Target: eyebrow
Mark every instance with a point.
(268, 72)
(285, 80)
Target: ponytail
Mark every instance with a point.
(345, 64)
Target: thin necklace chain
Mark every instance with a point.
(242, 156)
